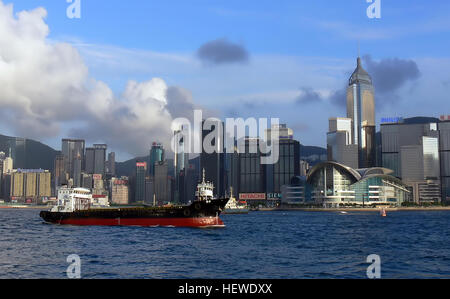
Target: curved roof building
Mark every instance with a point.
(333, 184)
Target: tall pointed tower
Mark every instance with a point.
(361, 109)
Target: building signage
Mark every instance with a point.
(252, 196)
(273, 196)
(120, 182)
(141, 164)
(445, 117)
(97, 177)
(390, 120)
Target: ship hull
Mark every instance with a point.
(199, 214)
(235, 211)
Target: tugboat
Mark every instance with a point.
(204, 212)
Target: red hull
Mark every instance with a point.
(167, 222)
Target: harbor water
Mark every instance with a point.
(265, 245)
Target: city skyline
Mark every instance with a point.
(295, 79)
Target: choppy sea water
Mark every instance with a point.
(265, 245)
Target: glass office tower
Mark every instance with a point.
(361, 110)
(444, 149)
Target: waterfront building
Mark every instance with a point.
(17, 185)
(252, 176)
(73, 149)
(181, 163)
(1, 180)
(8, 165)
(77, 168)
(287, 167)
(339, 142)
(44, 184)
(335, 185)
(213, 162)
(30, 185)
(191, 180)
(361, 110)
(162, 183)
(149, 190)
(156, 155)
(90, 158)
(444, 152)
(100, 159)
(411, 150)
(304, 168)
(98, 185)
(111, 165)
(59, 175)
(296, 193)
(141, 171)
(282, 131)
(17, 151)
(87, 181)
(119, 192)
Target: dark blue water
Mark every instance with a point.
(259, 245)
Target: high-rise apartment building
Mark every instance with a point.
(29, 185)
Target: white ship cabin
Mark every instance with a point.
(70, 200)
(205, 190)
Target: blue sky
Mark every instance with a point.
(293, 47)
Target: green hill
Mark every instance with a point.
(28, 153)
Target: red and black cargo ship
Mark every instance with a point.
(74, 208)
(198, 214)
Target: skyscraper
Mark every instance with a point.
(412, 152)
(444, 131)
(59, 176)
(72, 149)
(181, 163)
(361, 110)
(213, 162)
(156, 155)
(100, 158)
(339, 142)
(90, 157)
(111, 165)
(141, 171)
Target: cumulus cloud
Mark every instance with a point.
(308, 95)
(391, 74)
(45, 88)
(222, 51)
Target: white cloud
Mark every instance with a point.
(45, 86)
